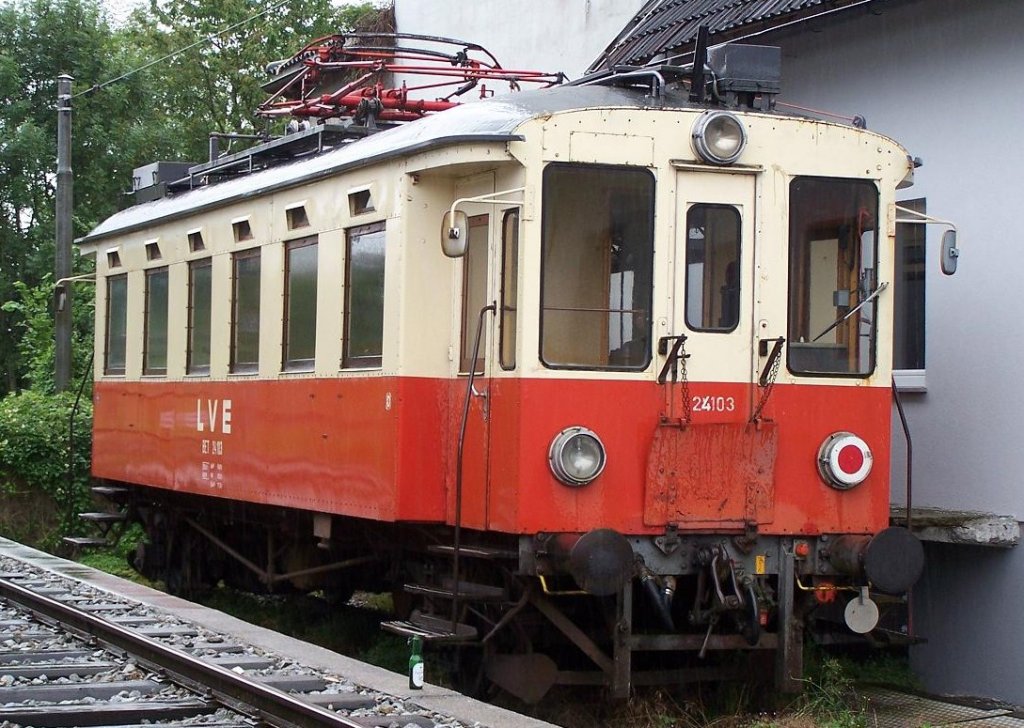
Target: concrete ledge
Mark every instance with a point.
(969, 528)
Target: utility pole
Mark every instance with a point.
(62, 256)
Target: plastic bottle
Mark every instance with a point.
(416, 664)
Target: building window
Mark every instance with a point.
(909, 293)
(153, 250)
(117, 324)
(597, 263)
(300, 304)
(509, 287)
(199, 296)
(833, 276)
(154, 355)
(245, 311)
(474, 292)
(364, 297)
(712, 268)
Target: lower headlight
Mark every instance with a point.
(576, 456)
(719, 137)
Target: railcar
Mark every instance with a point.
(596, 378)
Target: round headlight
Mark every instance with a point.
(719, 137)
(576, 456)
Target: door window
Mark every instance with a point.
(712, 268)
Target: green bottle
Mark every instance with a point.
(416, 663)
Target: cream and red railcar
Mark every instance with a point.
(676, 438)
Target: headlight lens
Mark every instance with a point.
(576, 456)
(719, 137)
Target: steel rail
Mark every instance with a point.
(274, 706)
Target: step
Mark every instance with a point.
(474, 552)
(469, 591)
(102, 517)
(431, 628)
(113, 492)
(85, 541)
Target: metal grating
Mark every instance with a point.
(891, 709)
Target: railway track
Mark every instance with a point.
(75, 655)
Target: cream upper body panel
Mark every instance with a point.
(414, 173)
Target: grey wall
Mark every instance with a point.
(943, 77)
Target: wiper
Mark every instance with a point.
(855, 309)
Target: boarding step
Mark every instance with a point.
(115, 493)
(431, 628)
(102, 517)
(475, 552)
(85, 542)
(469, 591)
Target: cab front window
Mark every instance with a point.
(598, 252)
(833, 276)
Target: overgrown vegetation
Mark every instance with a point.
(40, 503)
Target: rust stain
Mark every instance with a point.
(711, 472)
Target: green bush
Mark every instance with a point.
(41, 502)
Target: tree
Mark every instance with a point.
(40, 39)
(216, 86)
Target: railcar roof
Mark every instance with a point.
(485, 121)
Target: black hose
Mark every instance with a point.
(658, 600)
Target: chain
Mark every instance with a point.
(687, 402)
(767, 382)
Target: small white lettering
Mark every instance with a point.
(713, 404)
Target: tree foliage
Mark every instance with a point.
(164, 111)
(127, 111)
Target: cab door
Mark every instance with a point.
(708, 465)
(714, 280)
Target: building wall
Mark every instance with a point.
(552, 35)
(941, 77)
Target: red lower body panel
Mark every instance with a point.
(384, 448)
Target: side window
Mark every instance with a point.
(117, 324)
(909, 293)
(154, 356)
(300, 304)
(245, 311)
(474, 291)
(199, 297)
(832, 276)
(509, 287)
(712, 268)
(364, 298)
(597, 254)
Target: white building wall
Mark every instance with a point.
(942, 77)
(543, 35)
